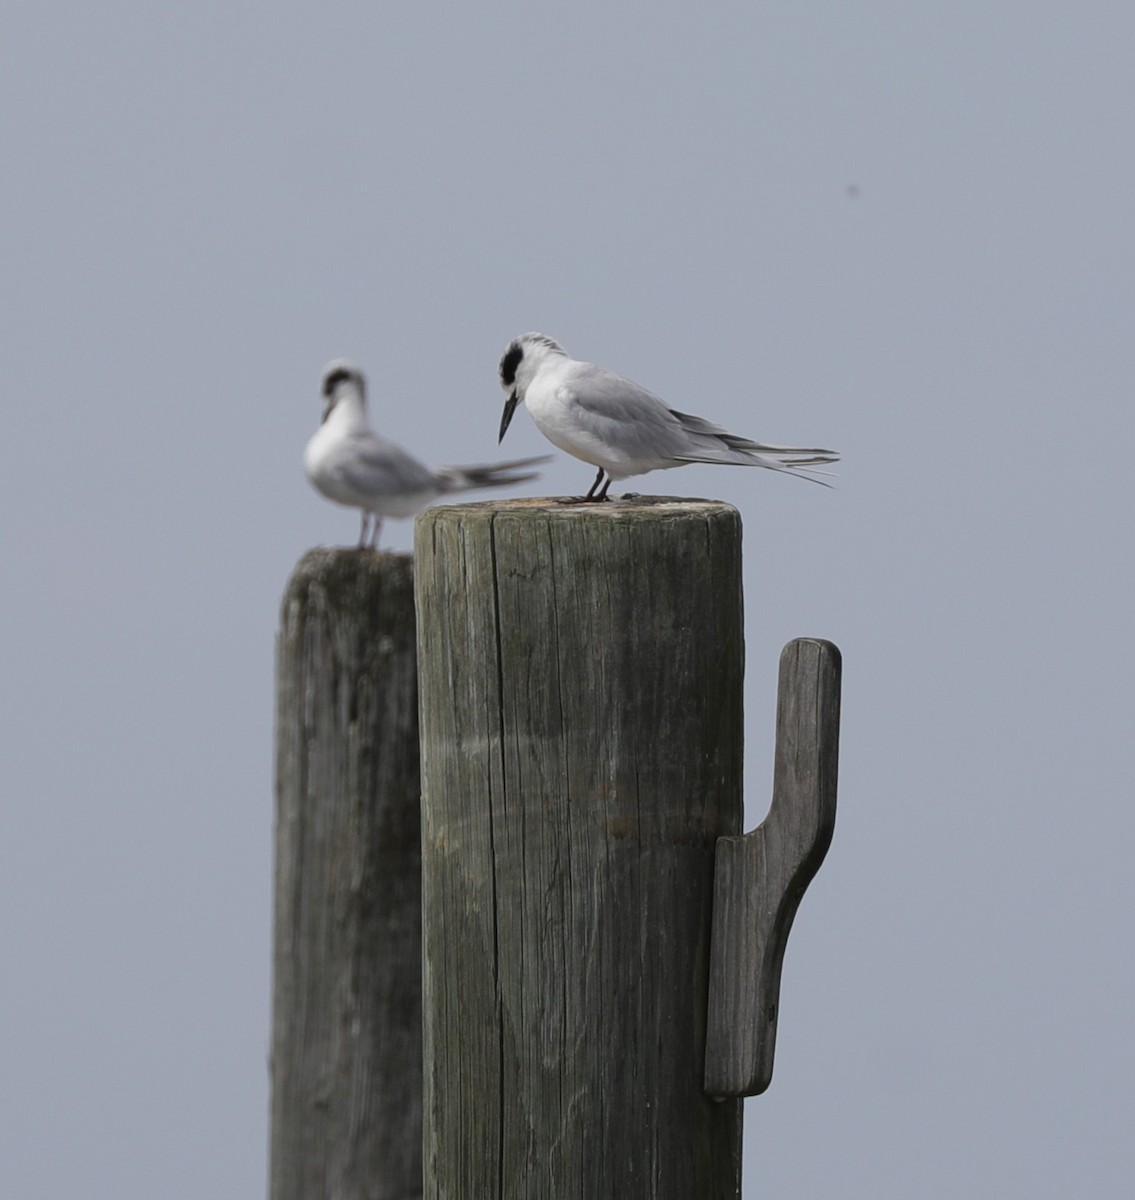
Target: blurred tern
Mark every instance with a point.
(621, 428)
(349, 463)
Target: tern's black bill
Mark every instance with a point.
(509, 408)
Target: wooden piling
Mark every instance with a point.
(346, 1108)
(581, 706)
(761, 877)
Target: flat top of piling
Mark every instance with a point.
(324, 562)
(346, 578)
(565, 505)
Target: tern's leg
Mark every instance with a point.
(374, 532)
(591, 496)
(363, 529)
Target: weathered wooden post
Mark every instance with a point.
(581, 705)
(761, 877)
(346, 1113)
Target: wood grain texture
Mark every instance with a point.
(761, 877)
(346, 1036)
(581, 678)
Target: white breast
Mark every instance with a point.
(551, 402)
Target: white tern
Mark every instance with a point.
(349, 463)
(621, 428)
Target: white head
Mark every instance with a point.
(518, 368)
(340, 378)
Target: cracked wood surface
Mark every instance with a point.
(581, 688)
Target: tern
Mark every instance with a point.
(621, 428)
(349, 463)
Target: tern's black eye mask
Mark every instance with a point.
(333, 380)
(509, 364)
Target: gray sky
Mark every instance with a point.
(900, 230)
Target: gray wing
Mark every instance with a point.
(623, 413)
(372, 466)
(642, 426)
(699, 425)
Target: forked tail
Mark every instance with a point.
(461, 479)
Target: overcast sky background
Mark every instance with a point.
(901, 230)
